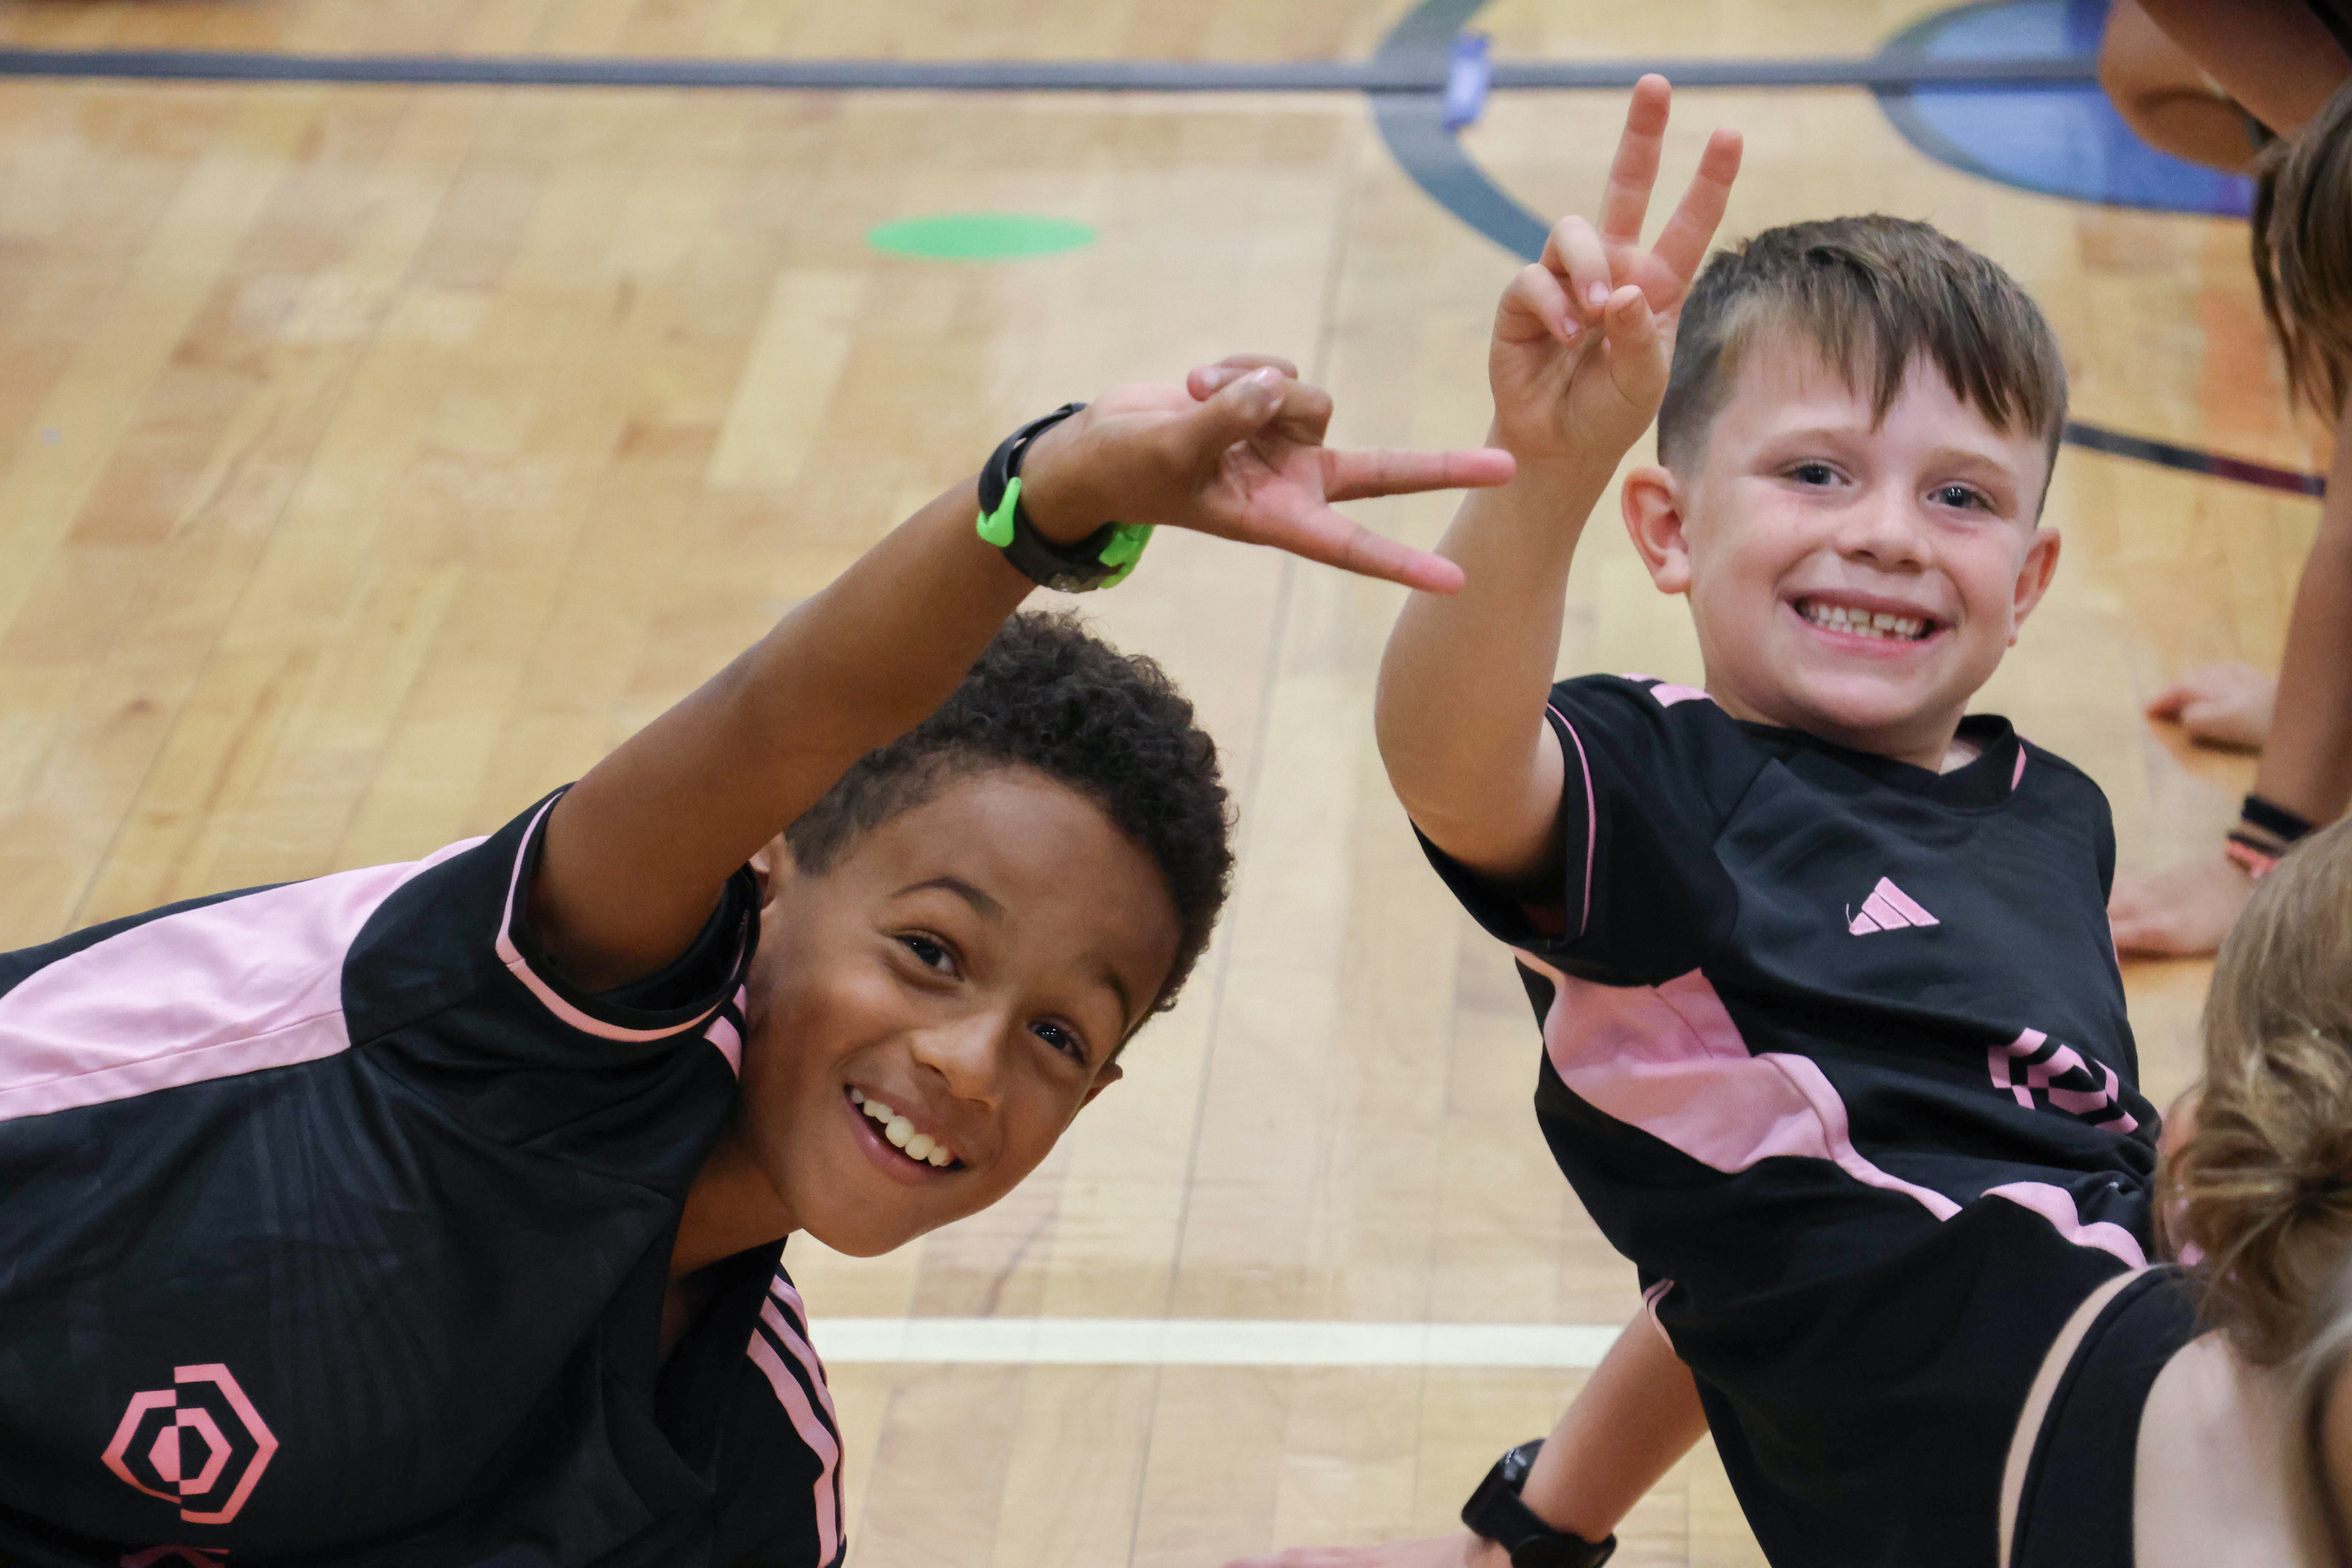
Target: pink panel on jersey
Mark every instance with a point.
(1669, 1060)
(1667, 692)
(234, 988)
(2056, 1204)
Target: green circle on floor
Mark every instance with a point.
(980, 237)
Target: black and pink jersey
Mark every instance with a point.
(1835, 1052)
(335, 1229)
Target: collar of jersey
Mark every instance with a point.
(1984, 783)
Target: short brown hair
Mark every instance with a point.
(1872, 294)
(2263, 1187)
(2303, 253)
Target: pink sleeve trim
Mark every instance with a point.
(723, 1034)
(812, 1431)
(1591, 818)
(1650, 1299)
(1666, 692)
(549, 997)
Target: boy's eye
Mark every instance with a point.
(1062, 1040)
(1958, 496)
(929, 953)
(1814, 474)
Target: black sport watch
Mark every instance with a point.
(1101, 560)
(1496, 1512)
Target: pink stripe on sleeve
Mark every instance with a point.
(549, 997)
(783, 1291)
(723, 1034)
(812, 1431)
(1650, 1299)
(1591, 819)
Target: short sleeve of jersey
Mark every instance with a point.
(1653, 771)
(445, 987)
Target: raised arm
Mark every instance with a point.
(638, 851)
(1583, 343)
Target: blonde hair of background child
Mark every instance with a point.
(2262, 1188)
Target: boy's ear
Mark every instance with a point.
(2033, 576)
(773, 864)
(1111, 1073)
(1653, 503)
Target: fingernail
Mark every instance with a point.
(1597, 296)
(1217, 376)
(1569, 328)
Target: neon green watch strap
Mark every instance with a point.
(1063, 566)
(1125, 548)
(996, 527)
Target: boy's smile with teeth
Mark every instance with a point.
(899, 1133)
(1858, 622)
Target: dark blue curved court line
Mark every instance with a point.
(1434, 158)
(1405, 81)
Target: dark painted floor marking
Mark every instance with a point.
(1415, 73)
(2192, 460)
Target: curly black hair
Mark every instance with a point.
(1048, 694)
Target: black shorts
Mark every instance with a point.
(2076, 1510)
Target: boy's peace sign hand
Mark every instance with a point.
(1237, 451)
(1584, 337)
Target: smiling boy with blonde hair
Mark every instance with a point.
(1836, 1047)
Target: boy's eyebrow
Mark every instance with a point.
(1940, 454)
(1118, 988)
(981, 902)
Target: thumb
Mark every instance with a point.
(1239, 410)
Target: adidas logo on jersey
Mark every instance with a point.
(1888, 908)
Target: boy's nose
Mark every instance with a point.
(1882, 527)
(965, 1053)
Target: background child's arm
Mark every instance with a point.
(638, 851)
(1577, 364)
(1635, 1417)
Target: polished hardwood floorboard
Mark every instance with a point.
(372, 459)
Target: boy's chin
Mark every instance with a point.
(864, 1235)
(1864, 715)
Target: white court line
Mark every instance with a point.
(1209, 1341)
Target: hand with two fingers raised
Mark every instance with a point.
(1237, 451)
(1584, 336)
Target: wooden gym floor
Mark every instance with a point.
(372, 458)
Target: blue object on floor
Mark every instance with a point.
(1469, 73)
(2060, 141)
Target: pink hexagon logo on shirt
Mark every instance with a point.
(199, 1444)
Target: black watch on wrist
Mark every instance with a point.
(1496, 1512)
(1101, 560)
